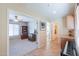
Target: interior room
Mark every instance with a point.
(39, 29)
(22, 34)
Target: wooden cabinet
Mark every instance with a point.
(70, 22)
(24, 34)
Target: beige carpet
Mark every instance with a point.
(20, 47)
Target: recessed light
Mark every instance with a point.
(54, 12)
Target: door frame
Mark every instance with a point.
(23, 14)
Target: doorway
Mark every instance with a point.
(48, 31)
(20, 29)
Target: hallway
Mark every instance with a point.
(43, 21)
(53, 49)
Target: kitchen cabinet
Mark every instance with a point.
(70, 22)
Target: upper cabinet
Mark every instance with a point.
(70, 22)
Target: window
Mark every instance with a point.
(13, 29)
(10, 29)
(16, 29)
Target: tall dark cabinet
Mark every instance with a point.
(24, 34)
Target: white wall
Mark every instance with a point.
(1, 32)
(42, 35)
(62, 30)
(32, 26)
(48, 30)
(77, 29)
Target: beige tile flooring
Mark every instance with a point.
(53, 49)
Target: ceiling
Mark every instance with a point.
(13, 16)
(51, 10)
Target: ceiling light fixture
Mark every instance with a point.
(16, 18)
